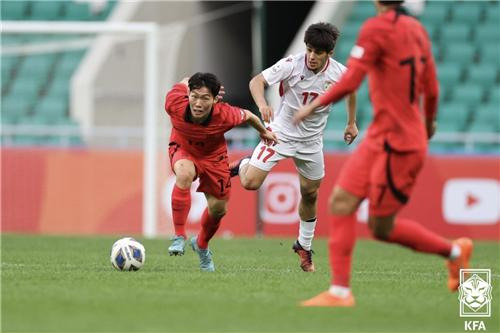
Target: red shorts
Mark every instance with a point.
(384, 176)
(214, 173)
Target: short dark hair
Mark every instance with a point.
(391, 2)
(322, 36)
(208, 80)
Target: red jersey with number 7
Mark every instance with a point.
(395, 51)
(205, 140)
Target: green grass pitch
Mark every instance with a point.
(67, 284)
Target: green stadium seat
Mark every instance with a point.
(15, 105)
(13, 9)
(59, 87)
(494, 96)
(455, 32)
(78, 12)
(362, 10)
(37, 67)
(449, 74)
(26, 87)
(46, 10)
(52, 108)
(434, 15)
(482, 74)
(490, 53)
(488, 33)
(349, 31)
(452, 117)
(493, 12)
(466, 14)
(342, 52)
(463, 53)
(468, 94)
(481, 127)
(488, 114)
(69, 62)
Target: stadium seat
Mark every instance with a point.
(468, 94)
(13, 10)
(483, 74)
(466, 14)
(449, 74)
(452, 117)
(69, 62)
(52, 108)
(362, 10)
(435, 14)
(77, 12)
(487, 114)
(494, 95)
(36, 67)
(490, 53)
(15, 106)
(493, 12)
(26, 87)
(487, 33)
(463, 53)
(46, 10)
(455, 32)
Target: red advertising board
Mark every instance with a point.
(100, 192)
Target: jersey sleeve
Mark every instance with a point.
(232, 115)
(367, 49)
(175, 97)
(279, 71)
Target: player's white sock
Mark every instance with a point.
(339, 291)
(456, 251)
(243, 162)
(306, 233)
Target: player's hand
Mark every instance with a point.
(267, 113)
(350, 133)
(302, 113)
(269, 138)
(430, 126)
(221, 94)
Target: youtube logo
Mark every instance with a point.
(472, 201)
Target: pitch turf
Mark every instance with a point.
(66, 284)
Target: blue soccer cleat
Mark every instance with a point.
(177, 247)
(206, 262)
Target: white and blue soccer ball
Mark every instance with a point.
(127, 254)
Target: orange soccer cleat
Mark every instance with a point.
(305, 257)
(462, 261)
(328, 300)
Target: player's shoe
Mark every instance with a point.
(462, 261)
(206, 262)
(305, 257)
(234, 166)
(327, 299)
(177, 246)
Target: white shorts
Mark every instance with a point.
(307, 156)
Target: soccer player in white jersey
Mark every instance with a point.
(302, 78)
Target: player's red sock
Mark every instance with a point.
(413, 235)
(181, 203)
(209, 227)
(341, 244)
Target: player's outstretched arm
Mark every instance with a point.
(257, 87)
(351, 130)
(266, 135)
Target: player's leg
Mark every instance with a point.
(253, 171)
(351, 187)
(307, 224)
(210, 222)
(394, 175)
(185, 172)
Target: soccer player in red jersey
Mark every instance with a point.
(198, 148)
(394, 50)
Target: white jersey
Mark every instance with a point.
(299, 86)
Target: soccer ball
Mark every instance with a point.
(127, 254)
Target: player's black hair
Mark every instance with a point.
(208, 80)
(391, 2)
(322, 36)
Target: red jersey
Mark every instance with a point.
(395, 51)
(205, 140)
